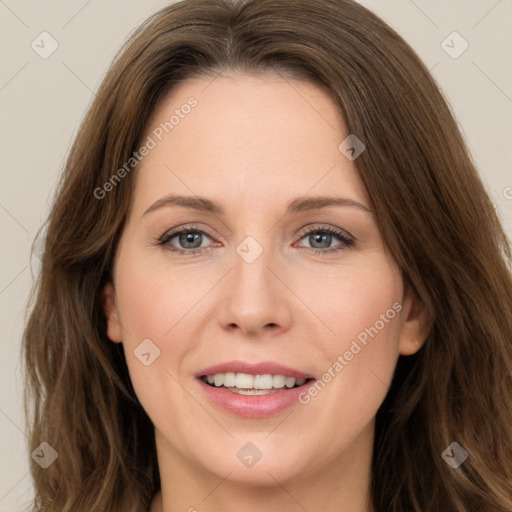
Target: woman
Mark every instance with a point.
(272, 280)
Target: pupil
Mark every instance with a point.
(189, 238)
(319, 237)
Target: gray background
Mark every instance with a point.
(43, 100)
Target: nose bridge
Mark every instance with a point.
(254, 256)
(255, 297)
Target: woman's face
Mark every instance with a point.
(271, 280)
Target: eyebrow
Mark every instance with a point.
(300, 204)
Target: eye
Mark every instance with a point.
(191, 240)
(323, 236)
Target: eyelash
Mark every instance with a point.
(342, 236)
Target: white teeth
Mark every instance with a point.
(289, 382)
(244, 381)
(229, 380)
(278, 381)
(253, 391)
(249, 382)
(263, 381)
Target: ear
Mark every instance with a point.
(416, 323)
(114, 331)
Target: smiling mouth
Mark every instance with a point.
(247, 384)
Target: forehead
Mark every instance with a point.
(246, 139)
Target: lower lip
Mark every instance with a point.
(253, 406)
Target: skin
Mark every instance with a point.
(254, 143)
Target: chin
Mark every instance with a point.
(258, 463)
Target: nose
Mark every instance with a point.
(256, 299)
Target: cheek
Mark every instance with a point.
(360, 355)
(150, 311)
(153, 300)
(369, 313)
(360, 304)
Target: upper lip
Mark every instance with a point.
(265, 367)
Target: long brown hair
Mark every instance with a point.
(433, 212)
